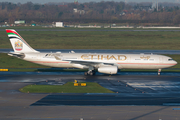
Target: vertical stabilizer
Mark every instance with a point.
(18, 43)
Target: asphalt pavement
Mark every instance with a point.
(138, 96)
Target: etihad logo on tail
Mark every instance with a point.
(18, 45)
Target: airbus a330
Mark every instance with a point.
(101, 62)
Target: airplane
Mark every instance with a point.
(101, 62)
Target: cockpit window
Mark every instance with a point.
(170, 59)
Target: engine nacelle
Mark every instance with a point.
(108, 69)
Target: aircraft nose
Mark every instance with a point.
(175, 62)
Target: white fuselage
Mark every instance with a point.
(123, 61)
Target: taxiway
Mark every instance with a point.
(137, 96)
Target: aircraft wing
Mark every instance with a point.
(84, 62)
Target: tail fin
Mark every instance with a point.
(18, 43)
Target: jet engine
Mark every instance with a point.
(108, 69)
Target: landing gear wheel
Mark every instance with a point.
(91, 73)
(85, 73)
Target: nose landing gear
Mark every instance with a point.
(159, 71)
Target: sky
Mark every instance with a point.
(82, 1)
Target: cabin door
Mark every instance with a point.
(160, 59)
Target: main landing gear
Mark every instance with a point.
(92, 72)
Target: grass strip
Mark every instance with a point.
(66, 88)
(72, 39)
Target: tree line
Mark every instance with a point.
(91, 12)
